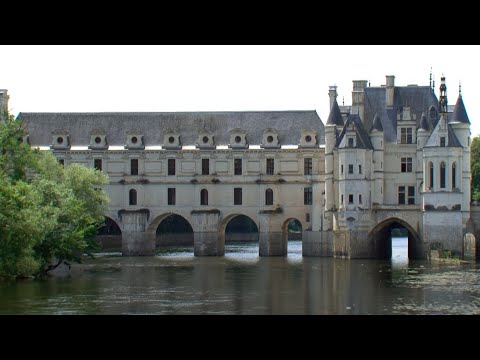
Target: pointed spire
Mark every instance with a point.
(459, 88)
(430, 76)
(377, 123)
(459, 112)
(335, 117)
(423, 122)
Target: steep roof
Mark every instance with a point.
(423, 122)
(434, 139)
(335, 116)
(363, 140)
(459, 112)
(188, 124)
(377, 123)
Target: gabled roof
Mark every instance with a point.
(459, 112)
(377, 124)
(434, 139)
(363, 140)
(335, 116)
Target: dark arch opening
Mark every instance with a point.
(174, 230)
(109, 236)
(241, 229)
(294, 229)
(395, 239)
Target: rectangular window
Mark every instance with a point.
(401, 195)
(341, 169)
(411, 195)
(307, 196)
(270, 167)
(360, 198)
(350, 142)
(341, 200)
(307, 166)
(442, 141)
(406, 165)
(205, 166)
(350, 198)
(97, 164)
(237, 196)
(133, 166)
(171, 166)
(359, 169)
(406, 136)
(171, 196)
(62, 162)
(350, 169)
(237, 164)
(307, 217)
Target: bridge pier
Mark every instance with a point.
(135, 240)
(206, 239)
(317, 243)
(272, 240)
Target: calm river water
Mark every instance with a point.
(176, 282)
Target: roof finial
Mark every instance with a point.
(430, 76)
(343, 100)
(433, 83)
(460, 88)
(368, 83)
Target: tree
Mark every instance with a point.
(475, 168)
(46, 212)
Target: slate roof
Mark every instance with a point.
(423, 122)
(335, 116)
(434, 139)
(459, 112)
(363, 140)
(377, 123)
(154, 125)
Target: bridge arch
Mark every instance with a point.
(109, 236)
(238, 227)
(171, 229)
(292, 224)
(380, 237)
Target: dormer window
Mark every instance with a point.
(238, 138)
(60, 140)
(134, 140)
(270, 139)
(351, 142)
(442, 141)
(406, 135)
(171, 140)
(308, 138)
(205, 140)
(98, 140)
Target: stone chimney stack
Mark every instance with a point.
(3, 103)
(390, 89)
(332, 93)
(358, 98)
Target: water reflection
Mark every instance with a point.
(241, 282)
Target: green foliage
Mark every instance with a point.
(46, 212)
(475, 167)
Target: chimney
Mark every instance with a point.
(332, 93)
(390, 88)
(3, 104)
(358, 98)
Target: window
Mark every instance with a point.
(406, 197)
(307, 166)
(359, 169)
(406, 136)
(341, 201)
(442, 175)
(360, 198)
(237, 196)
(133, 166)
(307, 217)
(350, 142)
(62, 162)
(454, 176)
(204, 197)
(171, 196)
(171, 166)
(270, 167)
(237, 164)
(442, 141)
(350, 198)
(430, 171)
(307, 196)
(205, 166)
(406, 164)
(97, 164)
(269, 197)
(132, 197)
(350, 169)
(341, 167)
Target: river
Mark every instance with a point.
(241, 282)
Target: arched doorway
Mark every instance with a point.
(292, 230)
(396, 239)
(109, 236)
(174, 230)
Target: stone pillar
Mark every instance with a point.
(273, 242)
(317, 243)
(469, 250)
(206, 239)
(135, 241)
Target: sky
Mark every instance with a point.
(104, 78)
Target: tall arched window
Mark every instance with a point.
(132, 197)
(430, 172)
(269, 197)
(204, 197)
(443, 172)
(454, 175)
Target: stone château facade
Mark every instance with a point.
(398, 156)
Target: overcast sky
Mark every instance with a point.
(224, 78)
